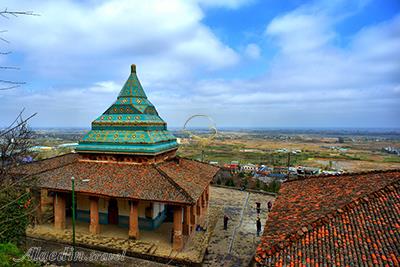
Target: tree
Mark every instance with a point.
(16, 204)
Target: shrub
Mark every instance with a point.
(14, 215)
(230, 182)
(273, 187)
(9, 252)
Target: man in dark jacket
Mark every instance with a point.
(226, 219)
(258, 223)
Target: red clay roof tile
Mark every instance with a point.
(180, 180)
(354, 220)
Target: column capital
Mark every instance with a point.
(93, 197)
(133, 201)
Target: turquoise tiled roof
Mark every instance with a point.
(131, 125)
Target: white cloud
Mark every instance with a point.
(252, 51)
(310, 81)
(103, 37)
(232, 4)
(105, 87)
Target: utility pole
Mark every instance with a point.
(73, 218)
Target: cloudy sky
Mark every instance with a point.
(246, 63)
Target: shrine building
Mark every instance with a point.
(126, 173)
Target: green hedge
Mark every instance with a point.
(9, 253)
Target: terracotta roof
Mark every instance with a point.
(179, 180)
(344, 220)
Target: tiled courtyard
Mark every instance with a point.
(235, 246)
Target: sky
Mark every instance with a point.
(244, 63)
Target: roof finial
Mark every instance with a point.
(133, 68)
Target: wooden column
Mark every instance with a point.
(177, 242)
(94, 226)
(198, 207)
(59, 211)
(192, 218)
(203, 200)
(186, 220)
(45, 201)
(133, 220)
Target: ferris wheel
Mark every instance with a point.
(201, 139)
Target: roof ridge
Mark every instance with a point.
(46, 159)
(341, 175)
(41, 160)
(194, 160)
(297, 234)
(175, 184)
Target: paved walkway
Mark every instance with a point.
(235, 246)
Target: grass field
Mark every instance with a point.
(360, 155)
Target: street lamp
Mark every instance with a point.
(73, 217)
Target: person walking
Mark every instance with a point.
(258, 224)
(226, 219)
(258, 207)
(269, 205)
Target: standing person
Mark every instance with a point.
(226, 219)
(269, 205)
(258, 223)
(258, 207)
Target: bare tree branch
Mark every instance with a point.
(12, 86)
(18, 125)
(9, 88)
(4, 40)
(9, 68)
(5, 13)
(11, 82)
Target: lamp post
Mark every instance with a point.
(73, 217)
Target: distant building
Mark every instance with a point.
(263, 170)
(68, 145)
(233, 166)
(392, 150)
(40, 148)
(280, 169)
(308, 171)
(248, 168)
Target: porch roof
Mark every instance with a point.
(178, 180)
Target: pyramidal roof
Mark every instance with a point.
(129, 126)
